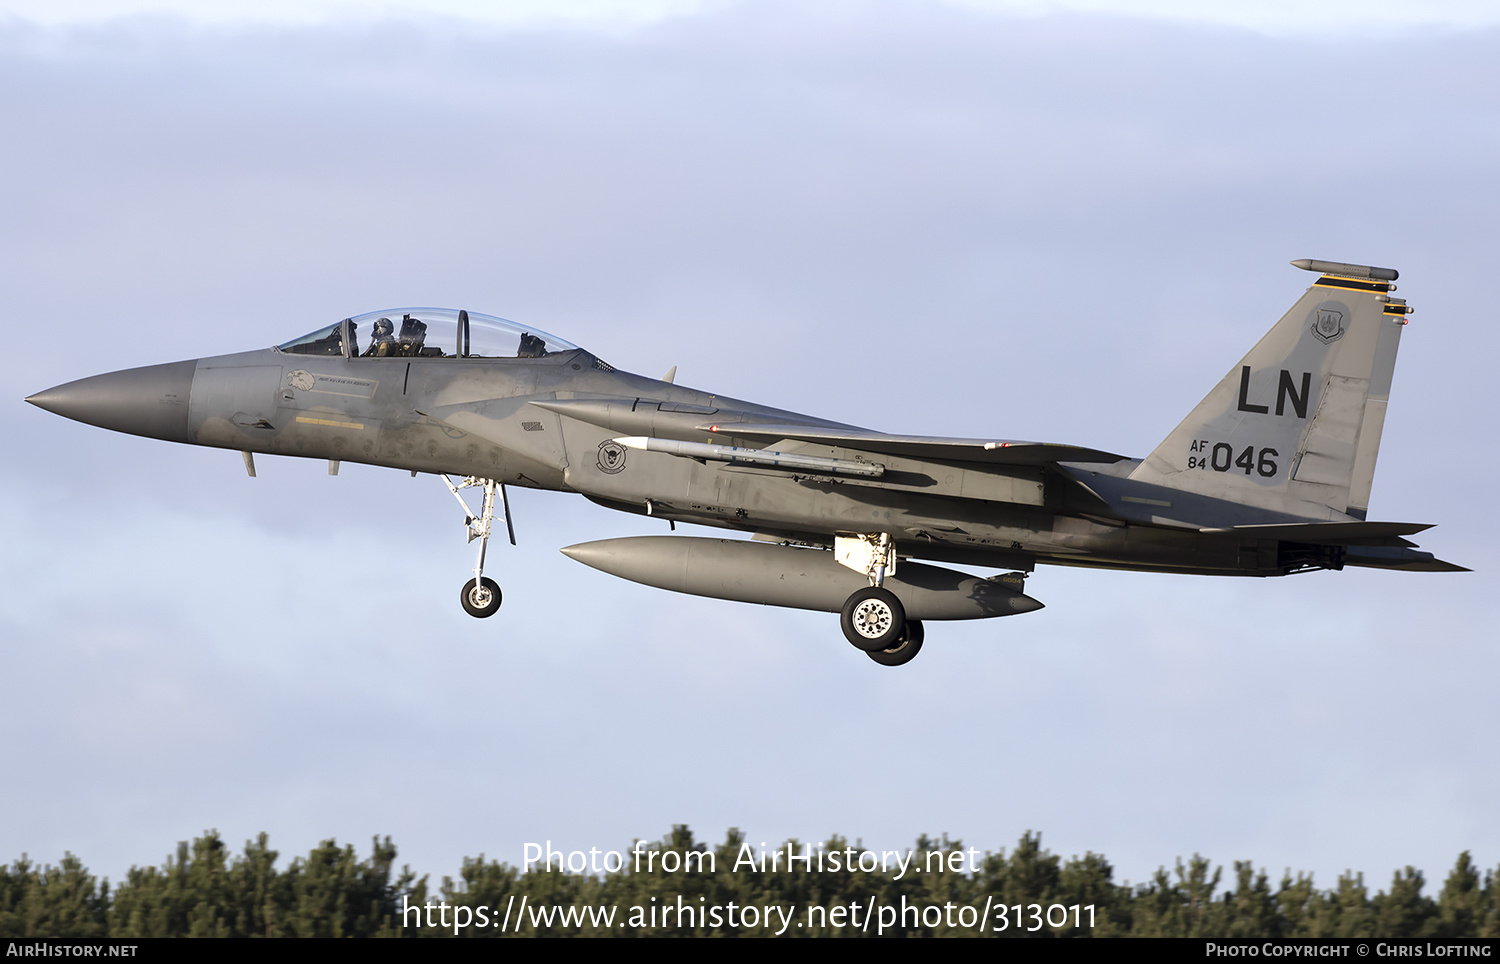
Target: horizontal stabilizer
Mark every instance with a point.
(1335, 533)
(1405, 560)
(921, 446)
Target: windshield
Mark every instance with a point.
(429, 333)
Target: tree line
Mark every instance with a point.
(205, 890)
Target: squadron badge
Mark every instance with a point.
(1328, 325)
(611, 457)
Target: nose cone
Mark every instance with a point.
(150, 401)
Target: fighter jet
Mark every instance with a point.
(1270, 475)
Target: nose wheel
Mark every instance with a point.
(481, 595)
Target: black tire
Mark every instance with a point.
(906, 648)
(481, 597)
(873, 619)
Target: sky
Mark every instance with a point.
(1056, 221)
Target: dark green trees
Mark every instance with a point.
(938, 888)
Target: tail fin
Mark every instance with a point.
(1295, 426)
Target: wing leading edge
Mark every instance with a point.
(981, 451)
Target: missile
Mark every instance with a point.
(735, 455)
(773, 575)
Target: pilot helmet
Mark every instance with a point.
(383, 327)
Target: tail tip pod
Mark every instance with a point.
(1347, 270)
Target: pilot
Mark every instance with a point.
(383, 341)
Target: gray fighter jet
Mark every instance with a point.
(1270, 474)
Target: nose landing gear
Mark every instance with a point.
(480, 595)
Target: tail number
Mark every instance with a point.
(1221, 458)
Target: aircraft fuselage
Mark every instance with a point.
(390, 412)
(1270, 474)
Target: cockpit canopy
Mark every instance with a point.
(428, 333)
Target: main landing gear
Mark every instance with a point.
(906, 648)
(481, 595)
(873, 619)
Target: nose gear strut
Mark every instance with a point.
(480, 595)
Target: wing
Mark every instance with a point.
(652, 418)
(982, 451)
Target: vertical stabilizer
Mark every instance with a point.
(1295, 426)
